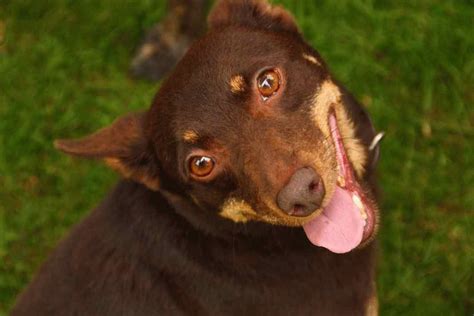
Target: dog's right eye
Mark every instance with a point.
(201, 166)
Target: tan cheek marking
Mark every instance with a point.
(329, 96)
(237, 84)
(139, 176)
(236, 210)
(311, 59)
(190, 136)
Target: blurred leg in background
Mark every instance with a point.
(166, 42)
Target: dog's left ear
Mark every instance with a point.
(253, 14)
(123, 146)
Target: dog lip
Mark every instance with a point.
(347, 181)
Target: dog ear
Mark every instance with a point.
(123, 146)
(253, 14)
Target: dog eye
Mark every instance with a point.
(201, 166)
(268, 83)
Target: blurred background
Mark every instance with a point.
(63, 73)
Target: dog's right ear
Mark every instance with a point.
(123, 146)
(252, 13)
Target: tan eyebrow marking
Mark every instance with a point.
(311, 59)
(237, 84)
(190, 136)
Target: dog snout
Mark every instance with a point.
(303, 194)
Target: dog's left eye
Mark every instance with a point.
(201, 166)
(268, 83)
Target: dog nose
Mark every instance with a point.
(303, 194)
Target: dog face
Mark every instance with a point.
(251, 127)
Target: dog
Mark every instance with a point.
(248, 188)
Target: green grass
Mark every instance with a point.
(63, 74)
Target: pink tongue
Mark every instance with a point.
(340, 227)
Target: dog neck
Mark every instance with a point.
(172, 233)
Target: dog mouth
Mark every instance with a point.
(349, 219)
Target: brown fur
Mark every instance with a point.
(165, 242)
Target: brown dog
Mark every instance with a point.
(249, 189)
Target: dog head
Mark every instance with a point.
(251, 126)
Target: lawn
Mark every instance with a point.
(63, 67)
